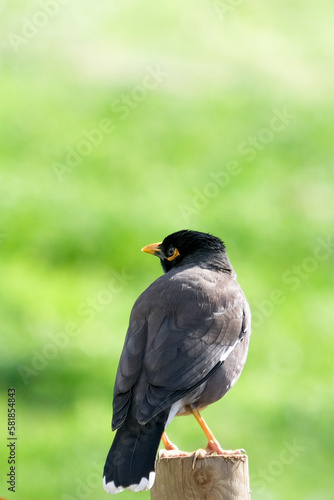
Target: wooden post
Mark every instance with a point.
(215, 477)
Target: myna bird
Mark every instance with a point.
(185, 347)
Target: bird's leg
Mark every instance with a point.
(171, 450)
(169, 446)
(213, 445)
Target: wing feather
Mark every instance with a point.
(181, 330)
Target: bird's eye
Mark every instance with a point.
(170, 251)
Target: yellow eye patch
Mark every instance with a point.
(175, 254)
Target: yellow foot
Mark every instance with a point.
(170, 449)
(214, 447)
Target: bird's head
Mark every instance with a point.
(187, 246)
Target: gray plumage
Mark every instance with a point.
(186, 344)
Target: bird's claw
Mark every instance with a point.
(214, 447)
(198, 454)
(175, 452)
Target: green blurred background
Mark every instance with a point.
(120, 123)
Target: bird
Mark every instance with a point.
(185, 347)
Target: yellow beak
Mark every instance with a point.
(153, 249)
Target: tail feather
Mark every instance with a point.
(131, 458)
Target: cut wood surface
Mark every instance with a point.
(215, 477)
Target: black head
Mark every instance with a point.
(184, 247)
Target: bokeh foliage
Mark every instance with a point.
(198, 149)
